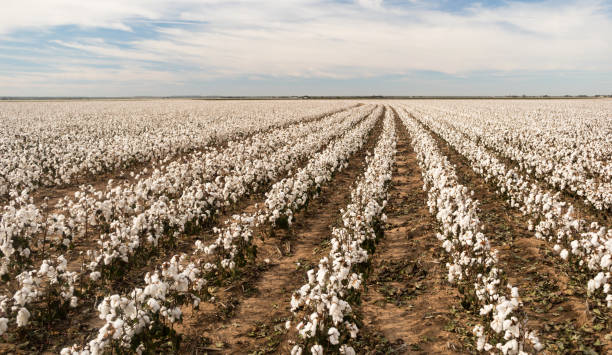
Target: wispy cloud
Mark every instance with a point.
(180, 43)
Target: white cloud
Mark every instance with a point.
(319, 38)
(371, 4)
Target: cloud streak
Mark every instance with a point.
(189, 41)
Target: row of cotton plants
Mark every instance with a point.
(472, 263)
(230, 172)
(202, 199)
(573, 132)
(133, 319)
(569, 151)
(168, 218)
(60, 143)
(322, 307)
(587, 246)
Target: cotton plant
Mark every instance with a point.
(21, 225)
(52, 279)
(137, 317)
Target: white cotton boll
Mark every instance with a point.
(592, 286)
(153, 304)
(95, 276)
(514, 292)
(480, 343)
(44, 267)
(497, 325)
(606, 261)
(3, 325)
(354, 282)
(296, 350)
(512, 332)
(352, 328)
(311, 276)
(118, 324)
(564, 254)
(575, 245)
(23, 317)
(557, 248)
(334, 336)
(485, 310)
(347, 350)
(316, 350)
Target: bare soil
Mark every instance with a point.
(408, 299)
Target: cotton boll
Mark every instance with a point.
(316, 350)
(346, 350)
(564, 254)
(333, 335)
(23, 317)
(3, 325)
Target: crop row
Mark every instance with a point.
(322, 307)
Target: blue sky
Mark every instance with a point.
(297, 47)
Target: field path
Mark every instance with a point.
(408, 299)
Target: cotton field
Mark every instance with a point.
(306, 227)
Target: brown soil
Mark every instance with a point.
(260, 305)
(553, 297)
(409, 300)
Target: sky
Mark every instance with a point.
(304, 47)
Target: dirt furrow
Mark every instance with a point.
(553, 295)
(408, 299)
(252, 314)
